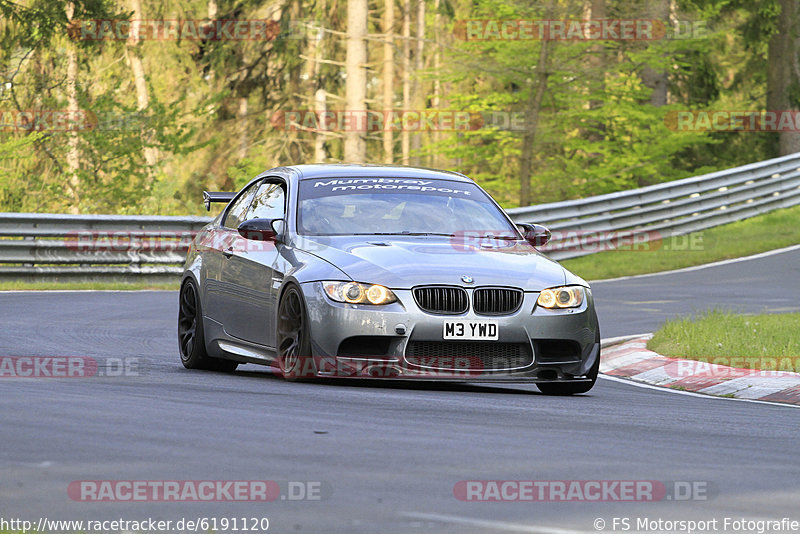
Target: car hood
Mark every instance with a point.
(405, 262)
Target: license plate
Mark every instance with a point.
(470, 330)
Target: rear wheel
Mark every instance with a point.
(294, 336)
(191, 338)
(572, 388)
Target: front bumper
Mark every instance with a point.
(401, 342)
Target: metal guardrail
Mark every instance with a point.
(661, 211)
(83, 248)
(53, 247)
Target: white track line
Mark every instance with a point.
(704, 266)
(489, 524)
(644, 385)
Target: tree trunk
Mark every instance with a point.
(241, 123)
(418, 92)
(657, 80)
(139, 80)
(597, 66)
(405, 138)
(783, 71)
(355, 144)
(532, 109)
(294, 89)
(597, 57)
(437, 84)
(319, 139)
(212, 16)
(73, 154)
(388, 77)
(314, 88)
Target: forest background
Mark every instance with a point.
(94, 119)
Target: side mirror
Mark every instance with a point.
(261, 229)
(535, 234)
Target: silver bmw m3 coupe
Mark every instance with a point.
(368, 271)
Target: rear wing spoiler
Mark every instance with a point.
(217, 196)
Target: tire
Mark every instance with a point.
(294, 336)
(573, 388)
(191, 337)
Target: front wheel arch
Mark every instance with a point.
(293, 334)
(573, 388)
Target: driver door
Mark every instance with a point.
(249, 271)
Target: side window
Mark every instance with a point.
(268, 202)
(236, 213)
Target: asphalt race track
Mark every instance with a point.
(769, 284)
(386, 456)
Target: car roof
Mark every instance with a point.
(337, 170)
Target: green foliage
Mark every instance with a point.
(762, 342)
(245, 170)
(597, 132)
(210, 102)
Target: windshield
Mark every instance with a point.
(398, 206)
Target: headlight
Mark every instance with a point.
(561, 297)
(356, 293)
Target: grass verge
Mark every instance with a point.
(766, 342)
(771, 231)
(87, 286)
